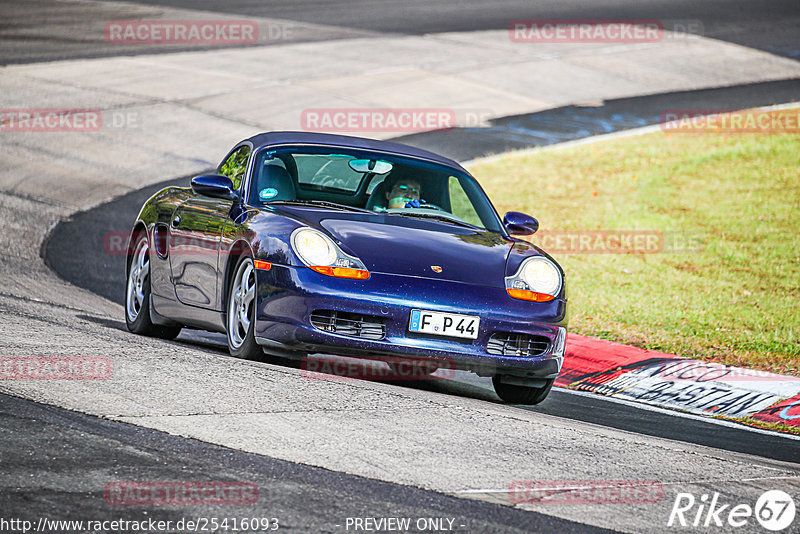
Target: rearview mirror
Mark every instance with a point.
(520, 223)
(370, 165)
(214, 185)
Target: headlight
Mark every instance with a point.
(314, 247)
(537, 279)
(541, 276)
(321, 254)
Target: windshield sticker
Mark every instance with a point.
(268, 193)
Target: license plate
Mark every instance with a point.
(444, 324)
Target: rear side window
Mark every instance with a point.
(235, 166)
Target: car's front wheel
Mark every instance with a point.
(516, 394)
(137, 293)
(241, 312)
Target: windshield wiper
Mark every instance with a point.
(321, 203)
(442, 218)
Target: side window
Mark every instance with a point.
(236, 165)
(460, 204)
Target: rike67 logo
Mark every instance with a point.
(774, 510)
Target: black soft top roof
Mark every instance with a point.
(269, 139)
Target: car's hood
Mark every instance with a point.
(416, 247)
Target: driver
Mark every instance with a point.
(406, 193)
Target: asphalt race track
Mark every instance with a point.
(768, 26)
(323, 452)
(307, 499)
(571, 123)
(26, 26)
(70, 252)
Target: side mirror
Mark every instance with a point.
(214, 185)
(520, 224)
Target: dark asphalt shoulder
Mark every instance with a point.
(56, 464)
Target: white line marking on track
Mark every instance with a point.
(675, 483)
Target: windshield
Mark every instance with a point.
(375, 182)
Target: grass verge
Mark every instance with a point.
(777, 427)
(725, 207)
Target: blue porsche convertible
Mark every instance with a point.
(314, 243)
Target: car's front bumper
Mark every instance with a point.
(287, 296)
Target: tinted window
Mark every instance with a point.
(235, 166)
(406, 187)
(460, 204)
(329, 171)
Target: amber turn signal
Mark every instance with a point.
(524, 294)
(261, 264)
(342, 272)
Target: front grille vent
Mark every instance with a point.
(349, 324)
(511, 344)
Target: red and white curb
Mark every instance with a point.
(670, 381)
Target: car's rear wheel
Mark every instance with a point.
(242, 312)
(515, 394)
(137, 293)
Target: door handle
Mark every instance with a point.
(176, 221)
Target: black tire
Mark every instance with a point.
(514, 394)
(137, 294)
(241, 344)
